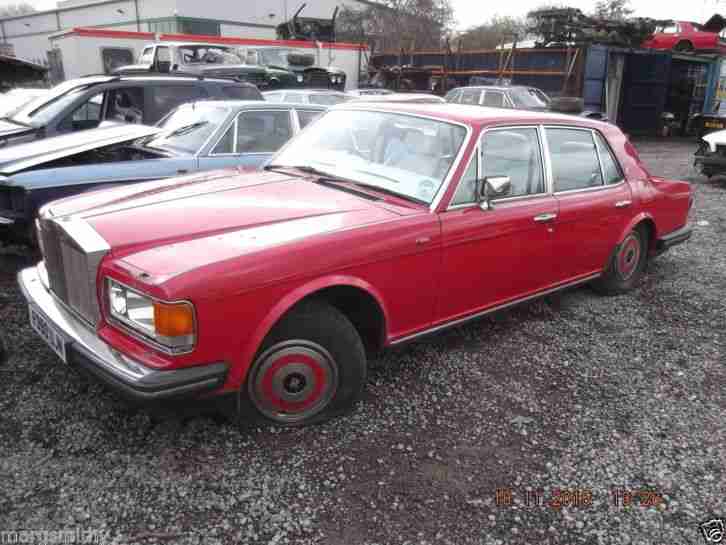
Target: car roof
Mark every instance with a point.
(306, 91)
(474, 115)
(240, 104)
(185, 44)
(493, 87)
(156, 78)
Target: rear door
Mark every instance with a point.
(593, 197)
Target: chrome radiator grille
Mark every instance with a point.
(72, 264)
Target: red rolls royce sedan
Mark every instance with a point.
(376, 225)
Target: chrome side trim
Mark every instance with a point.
(491, 310)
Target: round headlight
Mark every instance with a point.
(300, 78)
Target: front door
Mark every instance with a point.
(250, 140)
(494, 256)
(594, 201)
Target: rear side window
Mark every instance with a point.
(610, 167)
(167, 97)
(241, 92)
(263, 131)
(494, 99)
(305, 117)
(574, 159)
(274, 97)
(470, 96)
(514, 153)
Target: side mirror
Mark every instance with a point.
(164, 67)
(492, 187)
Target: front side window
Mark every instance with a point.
(574, 159)
(610, 167)
(86, 116)
(126, 104)
(495, 99)
(466, 191)
(514, 153)
(405, 155)
(263, 131)
(147, 56)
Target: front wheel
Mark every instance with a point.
(312, 366)
(626, 266)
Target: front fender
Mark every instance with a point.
(239, 372)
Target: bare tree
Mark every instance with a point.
(396, 24)
(493, 33)
(617, 10)
(17, 8)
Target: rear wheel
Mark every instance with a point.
(627, 264)
(683, 47)
(311, 367)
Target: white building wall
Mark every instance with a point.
(82, 54)
(255, 33)
(104, 14)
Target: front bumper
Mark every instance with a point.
(85, 349)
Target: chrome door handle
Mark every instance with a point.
(542, 218)
(623, 204)
(182, 171)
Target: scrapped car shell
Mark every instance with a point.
(25, 156)
(715, 138)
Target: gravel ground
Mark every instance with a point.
(574, 393)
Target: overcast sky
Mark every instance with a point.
(472, 12)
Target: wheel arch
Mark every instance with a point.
(357, 299)
(646, 220)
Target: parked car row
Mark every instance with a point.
(381, 222)
(265, 67)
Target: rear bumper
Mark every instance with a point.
(128, 377)
(673, 238)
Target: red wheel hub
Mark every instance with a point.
(293, 381)
(628, 256)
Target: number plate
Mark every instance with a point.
(49, 333)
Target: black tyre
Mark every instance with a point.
(683, 47)
(3, 350)
(627, 264)
(311, 367)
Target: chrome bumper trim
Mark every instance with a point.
(6, 221)
(110, 366)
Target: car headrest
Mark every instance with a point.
(123, 100)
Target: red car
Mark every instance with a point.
(377, 224)
(687, 37)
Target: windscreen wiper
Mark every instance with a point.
(186, 129)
